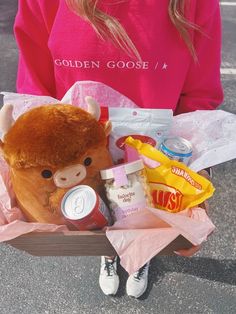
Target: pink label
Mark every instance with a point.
(150, 163)
(122, 212)
(120, 176)
(131, 154)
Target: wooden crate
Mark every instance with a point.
(77, 243)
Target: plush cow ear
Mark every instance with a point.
(93, 107)
(6, 119)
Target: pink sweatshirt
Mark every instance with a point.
(57, 48)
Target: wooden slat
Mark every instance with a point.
(77, 243)
(71, 243)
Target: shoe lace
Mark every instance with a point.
(109, 267)
(138, 275)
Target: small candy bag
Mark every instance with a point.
(149, 125)
(174, 187)
(127, 189)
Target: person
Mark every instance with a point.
(160, 54)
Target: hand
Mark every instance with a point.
(205, 174)
(204, 205)
(188, 252)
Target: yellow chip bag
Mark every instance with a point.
(173, 185)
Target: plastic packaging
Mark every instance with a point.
(149, 125)
(173, 185)
(126, 188)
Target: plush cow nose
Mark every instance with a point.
(69, 176)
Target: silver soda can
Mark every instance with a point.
(177, 148)
(84, 208)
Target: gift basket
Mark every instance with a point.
(92, 174)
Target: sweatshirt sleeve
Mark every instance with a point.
(202, 89)
(35, 67)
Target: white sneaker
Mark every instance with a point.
(137, 283)
(108, 279)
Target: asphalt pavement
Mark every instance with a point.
(205, 283)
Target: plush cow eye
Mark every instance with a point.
(87, 161)
(46, 174)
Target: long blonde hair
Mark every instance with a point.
(107, 26)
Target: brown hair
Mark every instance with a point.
(107, 26)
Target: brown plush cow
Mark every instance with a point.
(50, 149)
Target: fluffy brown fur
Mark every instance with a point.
(52, 135)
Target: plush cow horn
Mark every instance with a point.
(93, 107)
(6, 118)
(108, 128)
